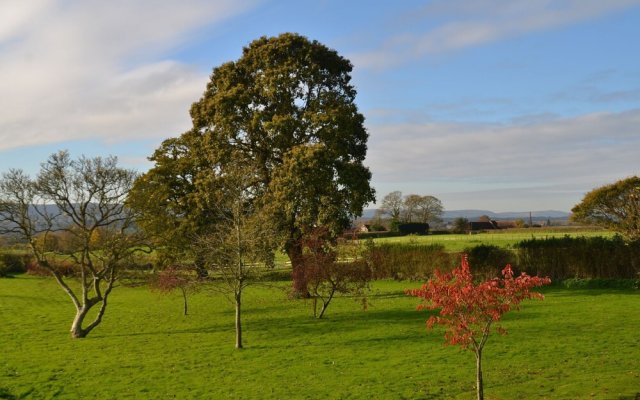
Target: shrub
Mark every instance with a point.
(64, 268)
(487, 260)
(407, 261)
(12, 263)
(413, 227)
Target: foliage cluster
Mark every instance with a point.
(615, 206)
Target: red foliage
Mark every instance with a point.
(467, 310)
(172, 278)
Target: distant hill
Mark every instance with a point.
(471, 214)
(474, 214)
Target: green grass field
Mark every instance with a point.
(573, 345)
(503, 238)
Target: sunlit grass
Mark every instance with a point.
(573, 345)
(503, 238)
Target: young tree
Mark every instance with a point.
(468, 311)
(173, 278)
(333, 269)
(239, 247)
(615, 206)
(286, 103)
(84, 200)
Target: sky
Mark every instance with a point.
(500, 105)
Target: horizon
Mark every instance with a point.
(482, 104)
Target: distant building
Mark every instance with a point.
(482, 226)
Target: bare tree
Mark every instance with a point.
(392, 205)
(241, 243)
(429, 209)
(411, 207)
(84, 199)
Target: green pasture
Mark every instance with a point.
(573, 345)
(504, 238)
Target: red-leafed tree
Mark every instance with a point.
(468, 310)
(176, 277)
(331, 269)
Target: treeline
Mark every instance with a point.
(559, 258)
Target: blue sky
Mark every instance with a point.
(505, 105)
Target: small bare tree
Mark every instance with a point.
(84, 199)
(241, 243)
(175, 277)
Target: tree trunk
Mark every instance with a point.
(238, 320)
(325, 304)
(76, 327)
(294, 251)
(184, 298)
(479, 384)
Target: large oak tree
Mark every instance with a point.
(286, 109)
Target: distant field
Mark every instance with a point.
(573, 345)
(504, 238)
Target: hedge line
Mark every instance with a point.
(559, 258)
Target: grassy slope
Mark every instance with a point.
(505, 238)
(573, 345)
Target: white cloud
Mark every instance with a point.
(450, 25)
(589, 148)
(74, 70)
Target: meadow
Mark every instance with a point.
(501, 238)
(573, 345)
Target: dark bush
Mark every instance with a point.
(487, 261)
(12, 263)
(417, 228)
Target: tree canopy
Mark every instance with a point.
(615, 206)
(286, 110)
(412, 208)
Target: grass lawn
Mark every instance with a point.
(503, 238)
(573, 345)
